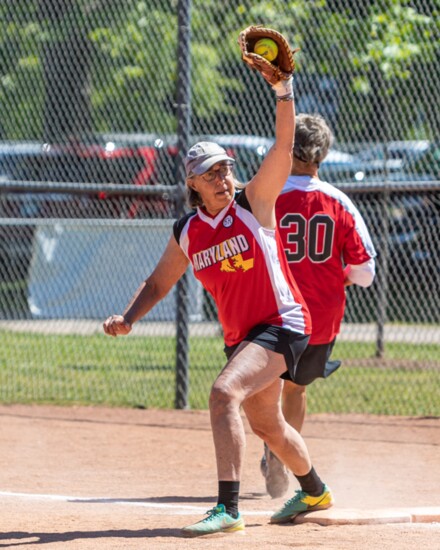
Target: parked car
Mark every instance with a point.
(249, 152)
(393, 155)
(18, 161)
(393, 161)
(161, 150)
(404, 151)
(159, 154)
(75, 162)
(342, 167)
(31, 161)
(427, 165)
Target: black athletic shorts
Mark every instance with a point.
(288, 343)
(314, 363)
(304, 365)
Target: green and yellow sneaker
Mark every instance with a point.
(218, 521)
(303, 502)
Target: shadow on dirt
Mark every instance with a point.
(23, 538)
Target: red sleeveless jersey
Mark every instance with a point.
(243, 266)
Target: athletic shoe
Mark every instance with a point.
(263, 464)
(218, 521)
(303, 502)
(275, 474)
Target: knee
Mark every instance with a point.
(220, 400)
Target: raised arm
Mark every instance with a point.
(263, 189)
(168, 271)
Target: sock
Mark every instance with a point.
(311, 483)
(228, 495)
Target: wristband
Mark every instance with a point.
(290, 97)
(284, 88)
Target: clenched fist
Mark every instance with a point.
(116, 325)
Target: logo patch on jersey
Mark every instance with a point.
(227, 222)
(228, 253)
(237, 263)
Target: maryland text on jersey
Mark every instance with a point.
(228, 253)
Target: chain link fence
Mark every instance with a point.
(99, 103)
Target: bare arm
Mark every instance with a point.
(172, 265)
(264, 188)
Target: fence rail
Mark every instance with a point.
(61, 276)
(92, 137)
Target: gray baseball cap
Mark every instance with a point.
(203, 155)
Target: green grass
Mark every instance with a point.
(140, 372)
(13, 297)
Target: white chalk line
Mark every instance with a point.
(156, 508)
(178, 509)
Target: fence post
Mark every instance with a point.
(384, 132)
(382, 275)
(183, 109)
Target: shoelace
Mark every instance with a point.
(213, 513)
(299, 495)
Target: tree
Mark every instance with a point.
(106, 65)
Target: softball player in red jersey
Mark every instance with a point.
(235, 252)
(328, 247)
(243, 267)
(322, 233)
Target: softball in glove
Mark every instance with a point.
(281, 68)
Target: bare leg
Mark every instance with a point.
(289, 446)
(263, 411)
(251, 379)
(252, 371)
(272, 468)
(294, 401)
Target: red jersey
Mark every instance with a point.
(243, 266)
(322, 231)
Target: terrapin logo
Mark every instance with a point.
(228, 253)
(227, 222)
(238, 264)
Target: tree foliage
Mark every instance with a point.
(375, 51)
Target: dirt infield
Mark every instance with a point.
(91, 478)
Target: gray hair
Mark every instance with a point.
(313, 138)
(193, 198)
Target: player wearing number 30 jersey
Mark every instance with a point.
(328, 247)
(323, 233)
